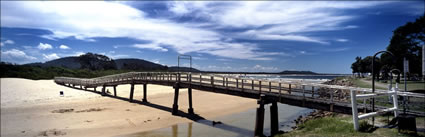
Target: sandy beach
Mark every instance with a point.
(35, 108)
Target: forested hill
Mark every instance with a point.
(101, 62)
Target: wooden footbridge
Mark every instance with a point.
(315, 96)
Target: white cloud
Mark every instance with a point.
(16, 54)
(64, 47)
(198, 58)
(67, 19)
(336, 49)
(7, 42)
(255, 68)
(281, 20)
(151, 46)
(264, 69)
(342, 40)
(221, 59)
(117, 56)
(44, 46)
(78, 53)
(51, 56)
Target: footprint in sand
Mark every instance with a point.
(52, 132)
(131, 123)
(63, 110)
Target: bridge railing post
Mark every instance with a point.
(212, 81)
(242, 81)
(168, 77)
(237, 83)
(252, 84)
(227, 82)
(179, 76)
(280, 92)
(290, 86)
(270, 86)
(190, 78)
(224, 82)
(260, 86)
(200, 79)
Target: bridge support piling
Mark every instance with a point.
(259, 120)
(115, 91)
(190, 110)
(103, 90)
(131, 92)
(176, 99)
(274, 120)
(144, 93)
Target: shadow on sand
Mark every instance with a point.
(194, 117)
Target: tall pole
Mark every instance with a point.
(423, 62)
(373, 79)
(188, 57)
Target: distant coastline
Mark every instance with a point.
(91, 65)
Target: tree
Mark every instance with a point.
(96, 62)
(406, 42)
(356, 66)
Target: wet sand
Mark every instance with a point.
(34, 108)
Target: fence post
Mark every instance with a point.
(354, 109)
(395, 101)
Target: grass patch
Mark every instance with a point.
(411, 85)
(363, 84)
(338, 126)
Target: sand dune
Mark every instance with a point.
(35, 108)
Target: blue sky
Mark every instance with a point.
(321, 36)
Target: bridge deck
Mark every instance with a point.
(316, 96)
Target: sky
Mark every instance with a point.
(266, 36)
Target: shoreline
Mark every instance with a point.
(34, 108)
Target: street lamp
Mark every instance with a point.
(373, 79)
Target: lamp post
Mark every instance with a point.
(373, 79)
